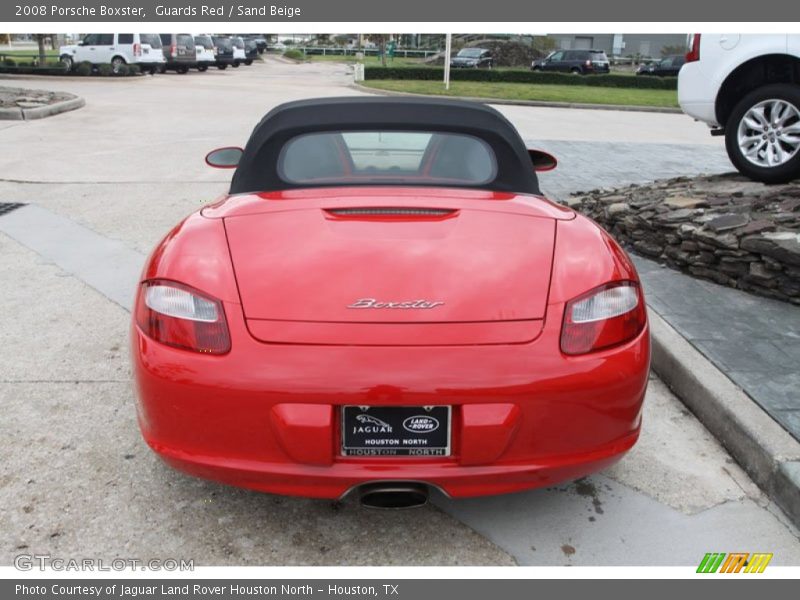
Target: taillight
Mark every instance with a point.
(606, 316)
(137, 49)
(173, 50)
(180, 316)
(693, 46)
(588, 63)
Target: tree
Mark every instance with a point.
(41, 40)
(380, 40)
(667, 50)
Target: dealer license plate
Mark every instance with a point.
(396, 431)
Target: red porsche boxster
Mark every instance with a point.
(384, 302)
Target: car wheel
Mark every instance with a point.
(248, 62)
(576, 71)
(116, 64)
(762, 135)
(222, 67)
(202, 68)
(68, 63)
(235, 65)
(182, 70)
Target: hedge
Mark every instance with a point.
(522, 76)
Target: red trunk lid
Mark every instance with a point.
(304, 274)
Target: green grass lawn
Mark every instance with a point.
(26, 54)
(370, 61)
(525, 91)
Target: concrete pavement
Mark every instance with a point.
(75, 477)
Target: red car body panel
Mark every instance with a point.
(267, 416)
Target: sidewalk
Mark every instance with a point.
(754, 341)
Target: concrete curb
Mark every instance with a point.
(53, 109)
(766, 451)
(40, 112)
(539, 103)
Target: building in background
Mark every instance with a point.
(623, 44)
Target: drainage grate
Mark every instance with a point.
(7, 207)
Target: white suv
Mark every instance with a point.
(747, 88)
(116, 49)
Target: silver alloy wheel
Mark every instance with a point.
(116, 64)
(769, 133)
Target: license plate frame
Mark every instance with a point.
(396, 431)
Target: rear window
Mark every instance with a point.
(224, 43)
(398, 157)
(166, 38)
(185, 40)
(237, 43)
(152, 39)
(204, 41)
(598, 56)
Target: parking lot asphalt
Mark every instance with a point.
(76, 480)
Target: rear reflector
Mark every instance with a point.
(179, 316)
(606, 316)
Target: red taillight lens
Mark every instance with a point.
(180, 316)
(173, 49)
(137, 49)
(693, 45)
(606, 316)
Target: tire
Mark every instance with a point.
(69, 64)
(222, 67)
(202, 68)
(576, 71)
(116, 63)
(182, 70)
(248, 62)
(235, 65)
(771, 156)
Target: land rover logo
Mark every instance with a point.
(421, 424)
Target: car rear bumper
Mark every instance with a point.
(267, 416)
(697, 93)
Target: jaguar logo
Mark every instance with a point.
(421, 424)
(370, 424)
(374, 303)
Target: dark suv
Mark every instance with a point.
(472, 58)
(224, 51)
(669, 66)
(580, 62)
(179, 51)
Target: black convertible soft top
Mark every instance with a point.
(258, 167)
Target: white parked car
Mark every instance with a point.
(239, 55)
(206, 51)
(747, 88)
(116, 49)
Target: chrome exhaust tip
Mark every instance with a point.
(393, 495)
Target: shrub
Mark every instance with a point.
(9, 62)
(294, 54)
(521, 76)
(122, 70)
(134, 70)
(105, 70)
(84, 69)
